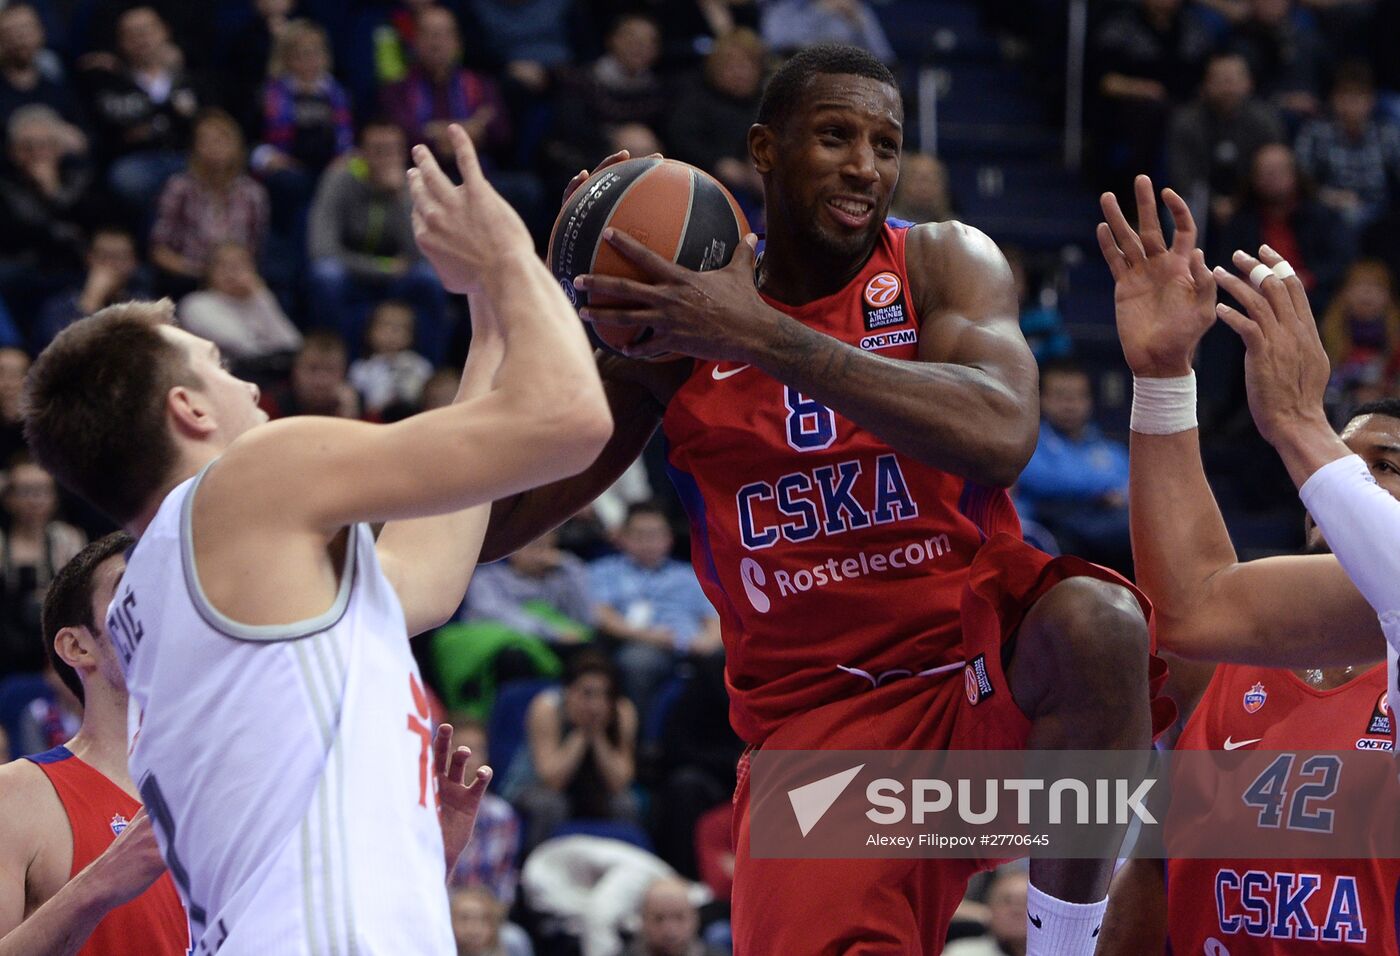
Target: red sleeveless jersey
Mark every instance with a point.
(154, 923)
(1285, 907)
(834, 561)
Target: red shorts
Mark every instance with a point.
(902, 906)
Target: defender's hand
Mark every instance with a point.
(716, 315)
(1285, 366)
(463, 230)
(1164, 298)
(460, 799)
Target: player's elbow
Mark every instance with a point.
(580, 427)
(1006, 456)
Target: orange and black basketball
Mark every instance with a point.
(679, 212)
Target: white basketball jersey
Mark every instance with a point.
(288, 769)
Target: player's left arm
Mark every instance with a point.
(1286, 370)
(969, 405)
(429, 561)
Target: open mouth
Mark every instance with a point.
(850, 211)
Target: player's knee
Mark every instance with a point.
(1095, 627)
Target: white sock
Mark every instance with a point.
(1057, 928)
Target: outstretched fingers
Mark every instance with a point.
(1117, 262)
(1123, 235)
(1183, 223)
(1149, 225)
(468, 163)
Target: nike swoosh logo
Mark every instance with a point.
(721, 376)
(1035, 921)
(1237, 744)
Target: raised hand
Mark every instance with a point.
(462, 230)
(460, 799)
(1164, 298)
(714, 315)
(1285, 366)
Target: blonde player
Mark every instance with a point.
(280, 733)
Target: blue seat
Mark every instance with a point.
(16, 693)
(654, 721)
(507, 725)
(608, 829)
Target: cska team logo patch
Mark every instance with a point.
(1380, 716)
(118, 824)
(1254, 698)
(883, 301)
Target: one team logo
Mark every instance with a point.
(881, 290)
(569, 291)
(118, 824)
(1380, 716)
(1254, 698)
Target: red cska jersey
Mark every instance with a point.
(1285, 907)
(154, 923)
(834, 561)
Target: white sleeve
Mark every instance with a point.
(1361, 523)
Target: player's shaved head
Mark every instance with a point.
(783, 94)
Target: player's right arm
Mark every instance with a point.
(545, 419)
(1276, 612)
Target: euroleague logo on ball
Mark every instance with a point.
(881, 290)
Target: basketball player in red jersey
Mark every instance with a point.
(1266, 907)
(842, 445)
(77, 855)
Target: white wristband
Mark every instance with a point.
(1163, 406)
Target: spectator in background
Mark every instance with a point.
(619, 88)
(33, 546)
(1148, 55)
(23, 80)
(922, 194)
(245, 74)
(670, 923)
(1076, 483)
(1212, 140)
(1288, 61)
(1041, 321)
(538, 591)
(1277, 210)
(47, 202)
(439, 91)
(478, 924)
(1361, 331)
(113, 275)
(14, 365)
(531, 37)
(652, 603)
(236, 311)
(440, 389)
(391, 374)
(709, 127)
(362, 247)
(696, 759)
(790, 25)
(580, 755)
(1006, 926)
(1352, 156)
(306, 122)
(317, 385)
(214, 201)
(143, 107)
(489, 859)
(689, 27)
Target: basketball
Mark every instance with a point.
(678, 211)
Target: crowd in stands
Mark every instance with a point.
(248, 160)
